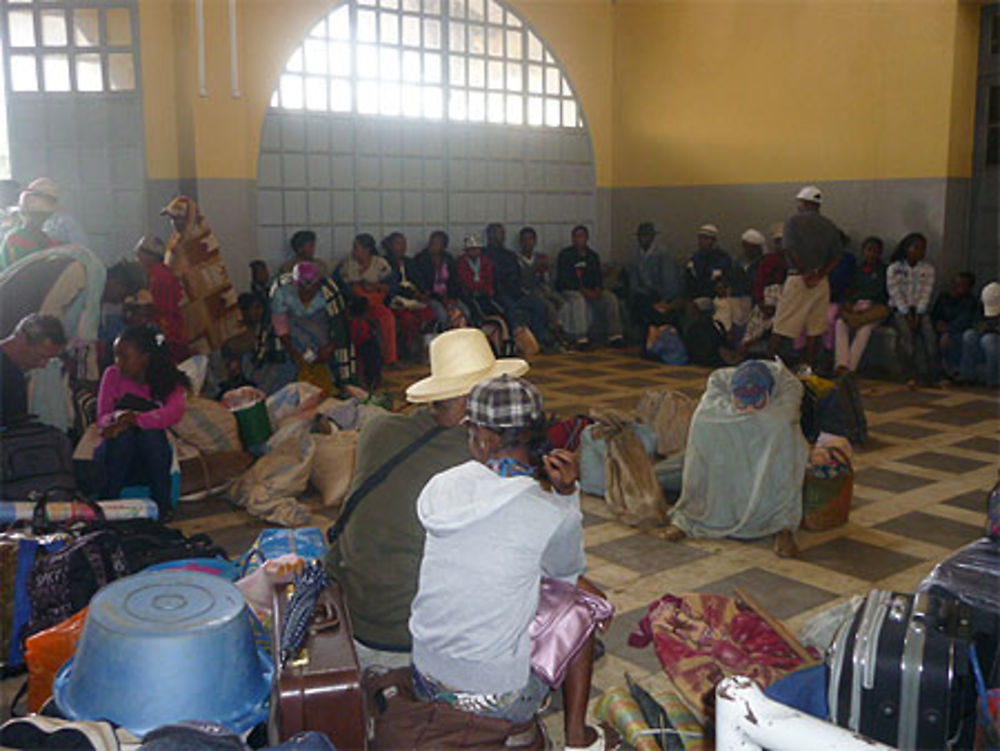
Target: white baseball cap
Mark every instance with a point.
(991, 299)
(753, 237)
(472, 241)
(810, 193)
(708, 229)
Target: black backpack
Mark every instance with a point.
(63, 582)
(702, 338)
(35, 458)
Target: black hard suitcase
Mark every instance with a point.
(971, 575)
(900, 672)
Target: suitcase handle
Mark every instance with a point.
(325, 617)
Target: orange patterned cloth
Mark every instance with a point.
(195, 242)
(703, 638)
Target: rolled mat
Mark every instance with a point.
(617, 708)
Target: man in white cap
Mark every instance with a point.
(61, 225)
(767, 282)
(812, 245)
(708, 266)
(376, 556)
(981, 343)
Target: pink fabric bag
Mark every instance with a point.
(567, 616)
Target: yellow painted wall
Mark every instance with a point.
(746, 91)
(676, 92)
(219, 135)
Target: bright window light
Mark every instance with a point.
(465, 60)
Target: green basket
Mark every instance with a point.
(253, 423)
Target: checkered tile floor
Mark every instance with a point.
(919, 494)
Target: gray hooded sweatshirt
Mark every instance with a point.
(490, 539)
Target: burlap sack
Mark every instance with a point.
(667, 412)
(632, 491)
(333, 465)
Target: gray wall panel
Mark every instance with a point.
(382, 175)
(889, 208)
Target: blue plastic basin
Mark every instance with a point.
(167, 646)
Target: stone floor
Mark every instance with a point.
(919, 494)
(920, 489)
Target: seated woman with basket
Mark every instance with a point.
(498, 527)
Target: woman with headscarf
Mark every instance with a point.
(309, 318)
(27, 236)
(366, 274)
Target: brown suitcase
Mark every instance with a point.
(319, 689)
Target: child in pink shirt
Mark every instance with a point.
(141, 395)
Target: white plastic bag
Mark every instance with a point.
(195, 368)
(291, 399)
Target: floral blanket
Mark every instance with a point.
(703, 638)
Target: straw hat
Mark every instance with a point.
(460, 359)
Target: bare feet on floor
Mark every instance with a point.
(784, 544)
(673, 533)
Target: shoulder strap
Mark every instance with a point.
(375, 479)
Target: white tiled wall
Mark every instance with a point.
(343, 174)
(92, 144)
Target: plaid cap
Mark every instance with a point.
(505, 402)
(752, 385)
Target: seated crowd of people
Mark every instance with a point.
(467, 505)
(810, 291)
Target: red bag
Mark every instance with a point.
(567, 433)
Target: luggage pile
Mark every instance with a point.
(51, 570)
(915, 670)
(138, 637)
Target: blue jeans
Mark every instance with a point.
(137, 457)
(528, 310)
(980, 349)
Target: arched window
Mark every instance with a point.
(461, 60)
